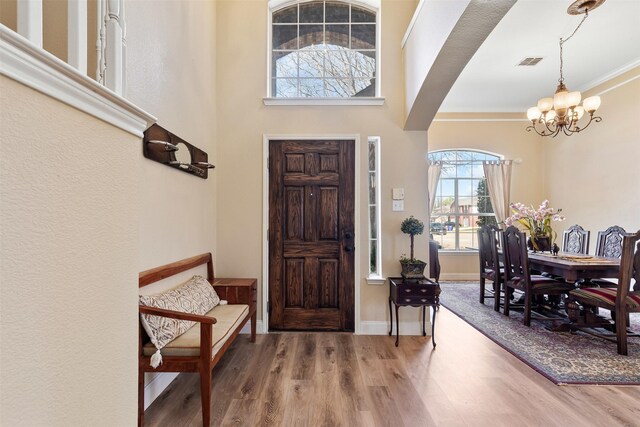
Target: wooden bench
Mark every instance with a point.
(206, 355)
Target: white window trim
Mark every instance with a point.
(372, 5)
(378, 278)
(324, 101)
(32, 66)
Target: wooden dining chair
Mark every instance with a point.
(622, 300)
(490, 269)
(434, 261)
(608, 244)
(518, 276)
(575, 240)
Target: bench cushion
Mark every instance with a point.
(195, 296)
(188, 344)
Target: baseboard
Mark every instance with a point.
(459, 276)
(382, 328)
(157, 386)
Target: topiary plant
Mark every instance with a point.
(412, 226)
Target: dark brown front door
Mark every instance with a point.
(311, 235)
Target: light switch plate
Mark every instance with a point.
(397, 194)
(397, 206)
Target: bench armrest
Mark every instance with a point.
(237, 291)
(176, 314)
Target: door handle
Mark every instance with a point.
(349, 248)
(348, 235)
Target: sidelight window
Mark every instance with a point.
(323, 49)
(375, 265)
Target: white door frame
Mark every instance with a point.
(265, 219)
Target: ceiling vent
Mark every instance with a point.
(530, 62)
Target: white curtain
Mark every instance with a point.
(433, 177)
(498, 176)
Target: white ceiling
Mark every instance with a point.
(607, 44)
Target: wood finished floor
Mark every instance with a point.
(330, 379)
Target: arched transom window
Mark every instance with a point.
(323, 49)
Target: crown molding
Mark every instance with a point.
(610, 76)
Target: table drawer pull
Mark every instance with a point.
(408, 300)
(423, 300)
(423, 290)
(407, 290)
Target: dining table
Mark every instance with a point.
(573, 267)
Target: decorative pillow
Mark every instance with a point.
(196, 296)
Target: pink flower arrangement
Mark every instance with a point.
(537, 221)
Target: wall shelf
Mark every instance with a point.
(164, 147)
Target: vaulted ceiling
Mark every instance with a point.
(607, 44)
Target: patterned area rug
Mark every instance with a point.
(562, 357)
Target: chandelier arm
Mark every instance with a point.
(592, 118)
(532, 127)
(543, 133)
(548, 128)
(568, 131)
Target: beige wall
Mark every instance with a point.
(54, 30)
(139, 214)
(244, 119)
(594, 175)
(8, 13)
(171, 74)
(69, 264)
(493, 133)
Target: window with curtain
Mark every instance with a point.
(462, 202)
(323, 49)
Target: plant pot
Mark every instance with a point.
(542, 243)
(413, 269)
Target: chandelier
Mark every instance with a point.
(562, 112)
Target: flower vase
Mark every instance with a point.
(539, 243)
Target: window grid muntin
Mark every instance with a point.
(326, 48)
(452, 161)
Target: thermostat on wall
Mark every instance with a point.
(397, 194)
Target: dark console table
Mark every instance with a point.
(415, 293)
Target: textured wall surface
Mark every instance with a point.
(171, 60)
(171, 74)
(69, 264)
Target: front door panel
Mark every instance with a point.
(311, 235)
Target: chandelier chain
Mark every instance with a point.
(562, 41)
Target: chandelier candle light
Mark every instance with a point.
(562, 112)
